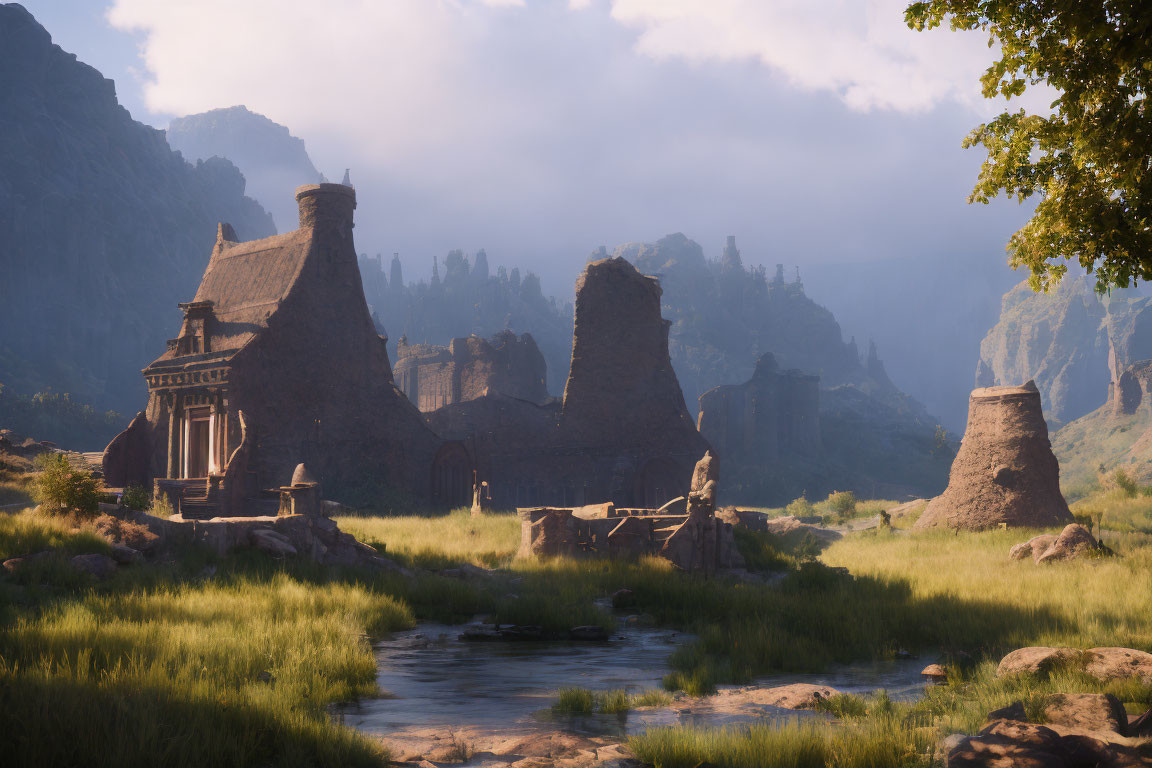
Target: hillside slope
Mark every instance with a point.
(103, 228)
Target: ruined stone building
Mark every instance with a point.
(622, 432)
(276, 363)
(773, 413)
(434, 376)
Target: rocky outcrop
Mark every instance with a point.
(1005, 472)
(621, 387)
(1101, 663)
(272, 160)
(1057, 339)
(1015, 743)
(104, 227)
(752, 425)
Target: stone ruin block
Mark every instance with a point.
(1005, 472)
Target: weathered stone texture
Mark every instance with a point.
(751, 425)
(621, 388)
(278, 362)
(434, 376)
(1005, 472)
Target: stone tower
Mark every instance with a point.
(1005, 472)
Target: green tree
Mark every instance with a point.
(1089, 161)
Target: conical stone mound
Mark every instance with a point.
(1005, 472)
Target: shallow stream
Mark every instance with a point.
(433, 679)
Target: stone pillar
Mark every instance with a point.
(214, 461)
(173, 436)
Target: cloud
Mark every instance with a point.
(859, 49)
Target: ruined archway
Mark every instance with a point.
(452, 476)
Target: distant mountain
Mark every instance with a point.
(1071, 341)
(468, 298)
(103, 228)
(877, 440)
(272, 160)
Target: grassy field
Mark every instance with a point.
(203, 660)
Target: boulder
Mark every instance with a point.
(1086, 711)
(1017, 744)
(1035, 660)
(1005, 472)
(795, 696)
(125, 555)
(17, 564)
(1033, 548)
(1073, 541)
(1119, 663)
(100, 566)
(792, 531)
(935, 672)
(1014, 711)
(272, 542)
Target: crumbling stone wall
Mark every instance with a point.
(622, 433)
(1005, 472)
(434, 376)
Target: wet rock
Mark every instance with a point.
(100, 566)
(1035, 660)
(125, 555)
(1086, 711)
(623, 600)
(1074, 541)
(589, 632)
(936, 673)
(794, 696)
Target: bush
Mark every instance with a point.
(801, 507)
(61, 488)
(843, 503)
(136, 497)
(1123, 482)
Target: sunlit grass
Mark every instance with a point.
(442, 540)
(1082, 603)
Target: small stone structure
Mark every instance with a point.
(434, 376)
(277, 361)
(685, 531)
(1005, 472)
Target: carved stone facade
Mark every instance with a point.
(277, 362)
(434, 376)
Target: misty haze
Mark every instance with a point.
(575, 383)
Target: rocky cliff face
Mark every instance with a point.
(725, 317)
(272, 160)
(874, 439)
(1059, 340)
(1072, 342)
(103, 228)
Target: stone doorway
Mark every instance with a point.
(197, 443)
(452, 477)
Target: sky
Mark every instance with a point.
(819, 132)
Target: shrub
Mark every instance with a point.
(801, 507)
(1123, 482)
(843, 503)
(136, 497)
(62, 488)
